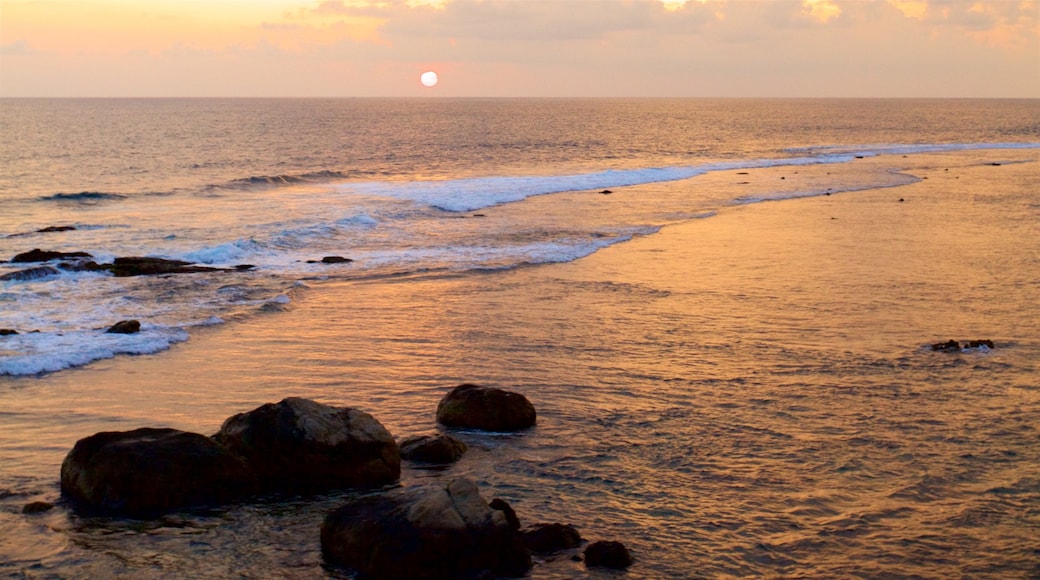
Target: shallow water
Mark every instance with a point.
(743, 395)
(732, 381)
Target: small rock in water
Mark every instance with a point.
(948, 346)
(125, 327)
(38, 255)
(486, 408)
(980, 343)
(8, 332)
(432, 448)
(27, 274)
(544, 538)
(50, 229)
(511, 518)
(606, 192)
(37, 507)
(608, 555)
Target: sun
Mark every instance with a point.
(428, 78)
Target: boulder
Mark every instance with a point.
(147, 471)
(980, 343)
(8, 332)
(425, 533)
(27, 274)
(301, 446)
(544, 538)
(125, 327)
(436, 448)
(501, 505)
(52, 229)
(486, 408)
(38, 255)
(608, 555)
(948, 346)
(37, 507)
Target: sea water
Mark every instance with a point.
(761, 416)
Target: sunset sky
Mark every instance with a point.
(692, 48)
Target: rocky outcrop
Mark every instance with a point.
(138, 266)
(486, 408)
(331, 260)
(38, 255)
(301, 446)
(125, 327)
(954, 346)
(436, 532)
(8, 332)
(436, 448)
(608, 555)
(147, 471)
(545, 538)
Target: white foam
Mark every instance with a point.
(42, 352)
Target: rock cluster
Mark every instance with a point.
(443, 530)
(954, 346)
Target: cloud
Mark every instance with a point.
(18, 47)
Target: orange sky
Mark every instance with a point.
(796, 48)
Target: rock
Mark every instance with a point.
(8, 332)
(51, 229)
(138, 266)
(37, 507)
(28, 274)
(38, 255)
(607, 555)
(606, 192)
(301, 446)
(335, 260)
(487, 408)
(543, 538)
(425, 533)
(505, 508)
(980, 343)
(146, 472)
(436, 448)
(948, 346)
(125, 327)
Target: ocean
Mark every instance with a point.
(722, 310)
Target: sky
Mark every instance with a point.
(520, 48)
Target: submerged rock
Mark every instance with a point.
(980, 343)
(301, 446)
(37, 507)
(432, 448)
(427, 533)
(486, 408)
(28, 274)
(52, 229)
(146, 266)
(8, 332)
(125, 327)
(147, 471)
(608, 555)
(38, 255)
(948, 346)
(544, 538)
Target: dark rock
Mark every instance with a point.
(145, 266)
(486, 408)
(335, 260)
(8, 332)
(37, 507)
(50, 229)
(146, 472)
(27, 274)
(301, 446)
(425, 533)
(479, 215)
(244, 267)
(980, 343)
(606, 192)
(38, 255)
(501, 505)
(125, 327)
(432, 448)
(948, 346)
(543, 538)
(607, 555)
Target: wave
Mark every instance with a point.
(470, 194)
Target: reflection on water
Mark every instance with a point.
(746, 395)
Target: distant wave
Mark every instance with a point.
(83, 197)
(279, 180)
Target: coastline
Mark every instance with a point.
(758, 276)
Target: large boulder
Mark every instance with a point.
(437, 532)
(608, 554)
(38, 255)
(437, 448)
(147, 471)
(486, 408)
(301, 446)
